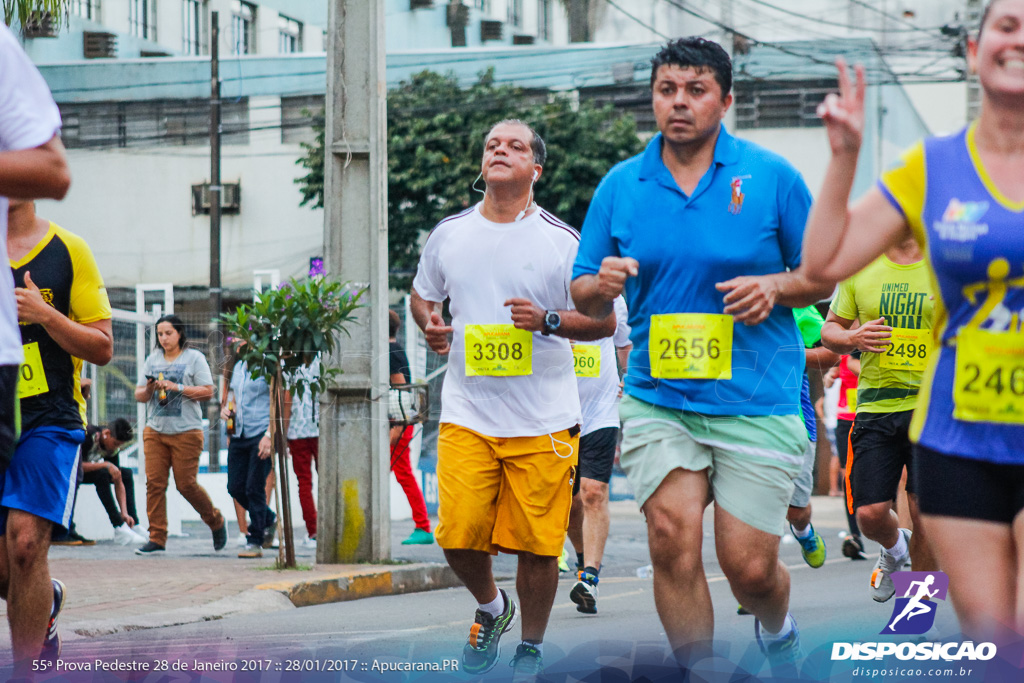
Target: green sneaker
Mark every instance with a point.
(419, 537)
(812, 548)
(482, 651)
(563, 561)
(527, 663)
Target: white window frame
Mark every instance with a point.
(243, 28)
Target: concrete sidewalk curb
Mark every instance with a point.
(358, 584)
(251, 601)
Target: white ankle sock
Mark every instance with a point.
(495, 606)
(539, 646)
(787, 628)
(802, 533)
(900, 549)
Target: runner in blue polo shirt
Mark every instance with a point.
(702, 232)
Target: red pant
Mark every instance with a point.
(402, 468)
(306, 456)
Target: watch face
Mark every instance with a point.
(552, 319)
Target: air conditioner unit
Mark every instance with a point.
(421, 4)
(230, 199)
(39, 25)
(97, 45)
(521, 39)
(490, 30)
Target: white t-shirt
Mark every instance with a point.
(481, 264)
(599, 396)
(28, 118)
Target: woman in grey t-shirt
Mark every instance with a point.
(177, 378)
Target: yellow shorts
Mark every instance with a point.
(504, 494)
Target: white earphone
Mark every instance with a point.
(535, 176)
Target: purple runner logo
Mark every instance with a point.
(914, 612)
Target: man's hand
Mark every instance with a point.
(31, 306)
(265, 450)
(750, 298)
(225, 411)
(526, 315)
(872, 337)
(436, 333)
(611, 278)
(128, 519)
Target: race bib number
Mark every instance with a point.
(691, 346)
(988, 385)
(908, 350)
(498, 351)
(586, 360)
(32, 381)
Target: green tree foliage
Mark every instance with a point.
(435, 143)
(20, 10)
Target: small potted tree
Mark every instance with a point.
(284, 330)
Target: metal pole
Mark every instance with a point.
(354, 506)
(216, 347)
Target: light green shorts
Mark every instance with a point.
(752, 462)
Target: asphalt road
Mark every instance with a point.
(359, 640)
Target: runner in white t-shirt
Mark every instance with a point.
(32, 166)
(598, 378)
(510, 415)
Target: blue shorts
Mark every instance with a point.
(42, 475)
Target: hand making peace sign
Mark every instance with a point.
(843, 114)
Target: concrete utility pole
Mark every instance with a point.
(354, 506)
(973, 20)
(215, 349)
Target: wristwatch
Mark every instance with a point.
(181, 388)
(552, 321)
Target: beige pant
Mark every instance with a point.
(179, 452)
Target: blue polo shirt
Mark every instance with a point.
(745, 217)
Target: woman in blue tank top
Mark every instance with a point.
(962, 198)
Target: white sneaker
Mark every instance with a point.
(882, 588)
(241, 542)
(308, 542)
(123, 535)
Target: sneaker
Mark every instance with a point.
(251, 550)
(563, 561)
(52, 644)
(584, 593)
(812, 548)
(125, 535)
(268, 535)
(309, 542)
(853, 547)
(527, 663)
(743, 611)
(782, 654)
(64, 539)
(220, 537)
(82, 540)
(482, 651)
(882, 588)
(419, 537)
(241, 541)
(150, 548)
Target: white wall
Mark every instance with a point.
(805, 148)
(943, 106)
(134, 208)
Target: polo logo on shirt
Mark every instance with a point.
(47, 295)
(736, 203)
(961, 221)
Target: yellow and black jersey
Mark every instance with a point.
(63, 267)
